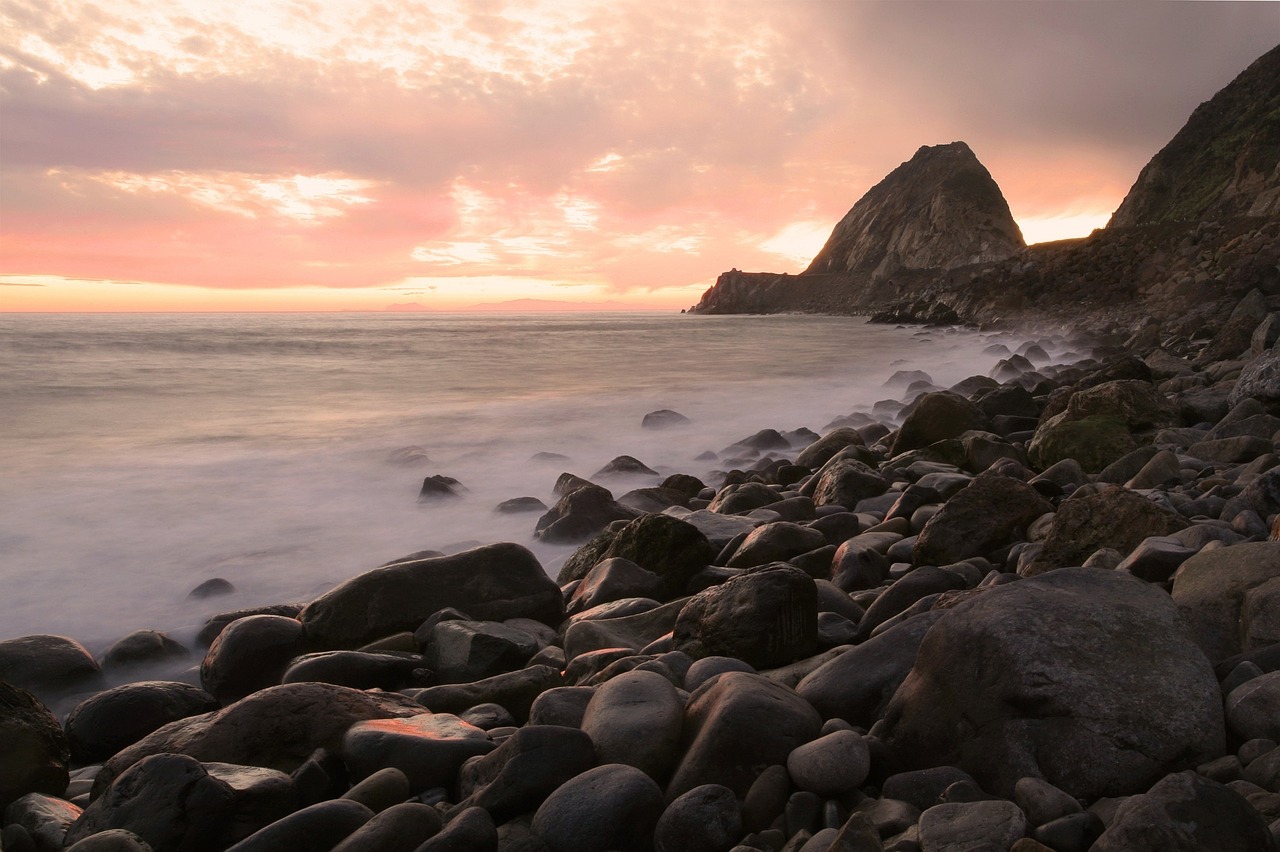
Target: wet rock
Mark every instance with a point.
(1083, 677)
(515, 691)
(491, 583)
(217, 623)
(520, 505)
(613, 579)
(251, 653)
(613, 806)
(530, 765)
(45, 818)
(741, 498)
(561, 705)
(111, 720)
(776, 542)
(472, 830)
(580, 514)
(1186, 811)
(1114, 517)
(466, 651)
(1211, 588)
(356, 669)
(985, 514)
(705, 819)
(822, 450)
(33, 748)
(734, 725)
(399, 828)
(625, 466)
(935, 417)
(637, 719)
(766, 617)
(628, 631)
(653, 499)
(312, 829)
(48, 665)
(660, 544)
(143, 647)
(211, 588)
(663, 419)
(428, 748)
(439, 487)
(831, 765)
(279, 728)
(846, 482)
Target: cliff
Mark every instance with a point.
(939, 210)
(1224, 162)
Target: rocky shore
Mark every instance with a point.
(1037, 610)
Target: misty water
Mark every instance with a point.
(143, 454)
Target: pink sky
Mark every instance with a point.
(326, 154)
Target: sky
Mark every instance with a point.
(361, 154)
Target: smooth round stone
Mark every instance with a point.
(250, 654)
(211, 588)
(561, 705)
(766, 798)
(636, 718)
(708, 667)
(33, 747)
(143, 647)
(45, 818)
(109, 721)
(705, 819)
(48, 665)
(312, 829)
(611, 807)
(831, 765)
(963, 826)
(1253, 708)
(399, 828)
(472, 830)
(381, 790)
(111, 840)
(521, 773)
(1042, 802)
(357, 669)
(922, 787)
(428, 748)
(488, 716)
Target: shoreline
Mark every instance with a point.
(829, 590)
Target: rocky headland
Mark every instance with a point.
(1036, 610)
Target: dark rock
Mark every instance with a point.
(143, 647)
(628, 631)
(613, 806)
(1186, 811)
(491, 583)
(636, 719)
(561, 705)
(317, 828)
(1042, 802)
(467, 651)
(399, 828)
(831, 765)
(625, 466)
(985, 514)
(705, 819)
(1156, 558)
(741, 498)
(48, 665)
(613, 579)
(1260, 380)
(471, 830)
(663, 419)
(439, 487)
(858, 565)
(654, 499)
(380, 790)
(1114, 517)
(906, 591)
(734, 725)
(766, 617)
(1083, 677)
(250, 654)
(580, 514)
(428, 749)
(33, 748)
(957, 826)
(822, 450)
(935, 417)
(44, 818)
(216, 624)
(519, 505)
(111, 840)
(776, 542)
(1211, 590)
(922, 788)
(515, 691)
(356, 669)
(525, 769)
(1253, 708)
(663, 545)
(211, 588)
(277, 728)
(109, 721)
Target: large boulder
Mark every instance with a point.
(580, 514)
(251, 653)
(491, 583)
(278, 728)
(776, 542)
(107, 722)
(985, 514)
(33, 748)
(845, 482)
(633, 631)
(1213, 589)
(822, 450)
(935, 417)
(1102, 423)
(736, 725)
(1114, 517)
(428, 748)
(1188, 813)
(529, 765)
(48, 665)
(1083, 677)
(613, 806)
(1259, 380)
(636, 718)
(660, 544)
(766, 617)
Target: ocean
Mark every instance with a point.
(141, 454)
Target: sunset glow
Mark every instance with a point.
(307, 155)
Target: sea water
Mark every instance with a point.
(141, 454)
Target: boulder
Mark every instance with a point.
(278, 728)
(660, 544)
(111, 840)
(580, 514)
(461, 651)
(982, 516)
(104, 724)
(143, 647)
(513, 691)
(561, 705)
(1083, 677)
(357, 669)
(399, 828)
(1185, 811)
(33, 748)
(737, 499)
(428, 748)
(636, 718)
(470, 830)
(776, 542)
(1102, 423)
(766, 617)
(705, 819)
(935, 417)
(1260, 380)
(664, 418)
(251, 653)
(737, 724)
(846, 482)
(45, 818)
(613, 807)
(905, 592)
(217, 623)
(48, 665)
(832, 765)
(1113, 517)
(857, 684)
(1253, 708)
(490, 583)
(628, 631)
(1211, 590)
(526, 768)
(822, 450)
(625, 466)
(317, 828)
(613, 579)
(964, 826)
